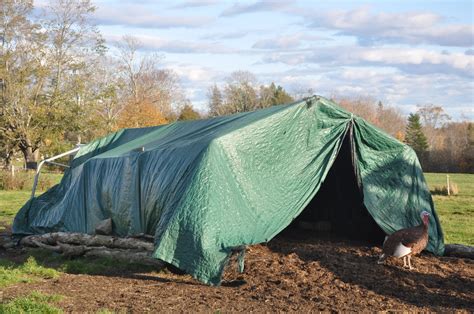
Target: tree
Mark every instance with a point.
(467, 163)
(106, 107)
(41, 67)
(433, 119)
(142, 114)
(433, 116)
(300, 92)
(273, 95)
(188, 113)
(414, 136)
(144, 82)
(240, 94)
(215, 101)
(239, 91)
(22, 114)
(384, 117)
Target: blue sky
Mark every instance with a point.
(403, 53)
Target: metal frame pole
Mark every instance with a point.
(50, 160)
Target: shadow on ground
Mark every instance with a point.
(433, 283)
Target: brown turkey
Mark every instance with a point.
(406, 242)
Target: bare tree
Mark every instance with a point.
(73, 40)
(300, 92)
(240, 92)
(143, 79)
(388, 118)
(215, 101)
(433, 119)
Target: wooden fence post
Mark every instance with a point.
(447, 179)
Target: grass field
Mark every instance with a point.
(11, 201)
(455, 212)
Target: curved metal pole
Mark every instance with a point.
(48, 160)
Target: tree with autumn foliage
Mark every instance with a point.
(387, 118)
(149, 93)
(143, 114)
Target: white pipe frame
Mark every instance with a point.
(50, 161)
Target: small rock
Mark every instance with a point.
(104, 227)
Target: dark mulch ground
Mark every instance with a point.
(284, 275)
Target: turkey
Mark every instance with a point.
(406, 242)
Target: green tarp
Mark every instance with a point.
(207, 187)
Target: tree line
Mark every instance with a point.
(442, 145)
(60, 85)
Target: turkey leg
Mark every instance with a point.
(409, 262)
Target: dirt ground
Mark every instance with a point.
(287, 274)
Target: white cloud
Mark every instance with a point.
(410, 60)
(193, 73)
(194, 4)
(227, 35)
(403, 59)
(415, 57)
(142, 16)
(284, 42)
(407, 27)
(259, 6)
(175, 46)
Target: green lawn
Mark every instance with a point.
(29, 271)
(456, 212)
(11, 201)
(35, 302)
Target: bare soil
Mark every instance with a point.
(287, 274)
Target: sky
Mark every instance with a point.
(403, 53)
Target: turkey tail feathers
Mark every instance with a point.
(401, 250)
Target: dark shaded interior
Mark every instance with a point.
(337, 210)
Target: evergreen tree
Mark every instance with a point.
(415, 137)
(280, 96)
(188, 113)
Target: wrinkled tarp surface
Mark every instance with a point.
(204, 188)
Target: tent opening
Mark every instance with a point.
(337, 210)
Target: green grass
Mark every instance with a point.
(12, 201)
(456, 213)
(33, 303)
(29, 271)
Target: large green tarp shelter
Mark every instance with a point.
(206, 188)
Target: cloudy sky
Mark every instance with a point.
(401, 52)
